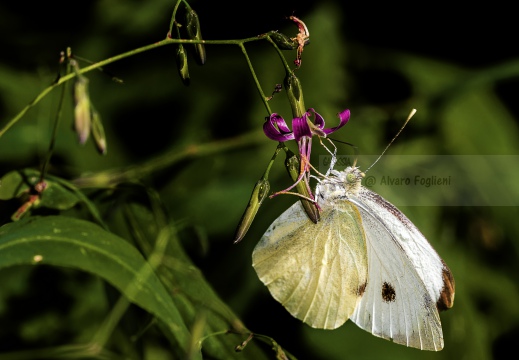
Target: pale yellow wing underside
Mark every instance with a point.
(318, 272)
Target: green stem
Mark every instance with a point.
(107, 329)
(280, 53)
(111, 178)
(271, 162)
(113, 59)
(296, 104)
(108, 326)
(173, 16)
(54, 133)
(253, 73)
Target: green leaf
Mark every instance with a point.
(12, 185)
(193, 295)
(55, 196)
(63, 241)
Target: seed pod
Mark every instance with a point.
(295, 95)
(181, 59)
(194, 33)
(292, 165)
(82, 110)
(283, 41)
(98, 132)
(259, 193)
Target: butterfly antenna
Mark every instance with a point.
(333, 154)
(394, 138)
(355, 149)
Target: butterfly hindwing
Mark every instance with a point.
(316, 271)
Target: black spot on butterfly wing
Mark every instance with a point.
(388, 292)
(445, 300)
(362, 288)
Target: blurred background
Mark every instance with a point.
(458, 67)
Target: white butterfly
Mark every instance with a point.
(364, 261)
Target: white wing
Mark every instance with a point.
(407, 278)
(316, 271)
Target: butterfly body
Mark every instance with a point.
(364, 261)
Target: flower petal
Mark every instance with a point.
(344, 116)
(276, 129)
(319, 120)
(280, 123)
(301, 128)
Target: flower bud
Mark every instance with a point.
(82, 110)
(181, 59)
(292, 165)
(259, 193)
(295, 95)
(98, 132)
(194, 33)
(283, 41)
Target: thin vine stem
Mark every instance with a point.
(127, 54)
(253, 73)
(174, 15)
(54, 129)
(280, 53)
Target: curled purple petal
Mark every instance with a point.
(301, 128)
(319, 120)
(317, 125)
(276, 129)
(280, 123)
(344, 116)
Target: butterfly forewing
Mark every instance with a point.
(316, 271)
(433, 271)
(405, 278)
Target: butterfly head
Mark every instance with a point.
(351, 178)
(339, 184)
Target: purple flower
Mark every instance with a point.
(303, 129)
(276, 128)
